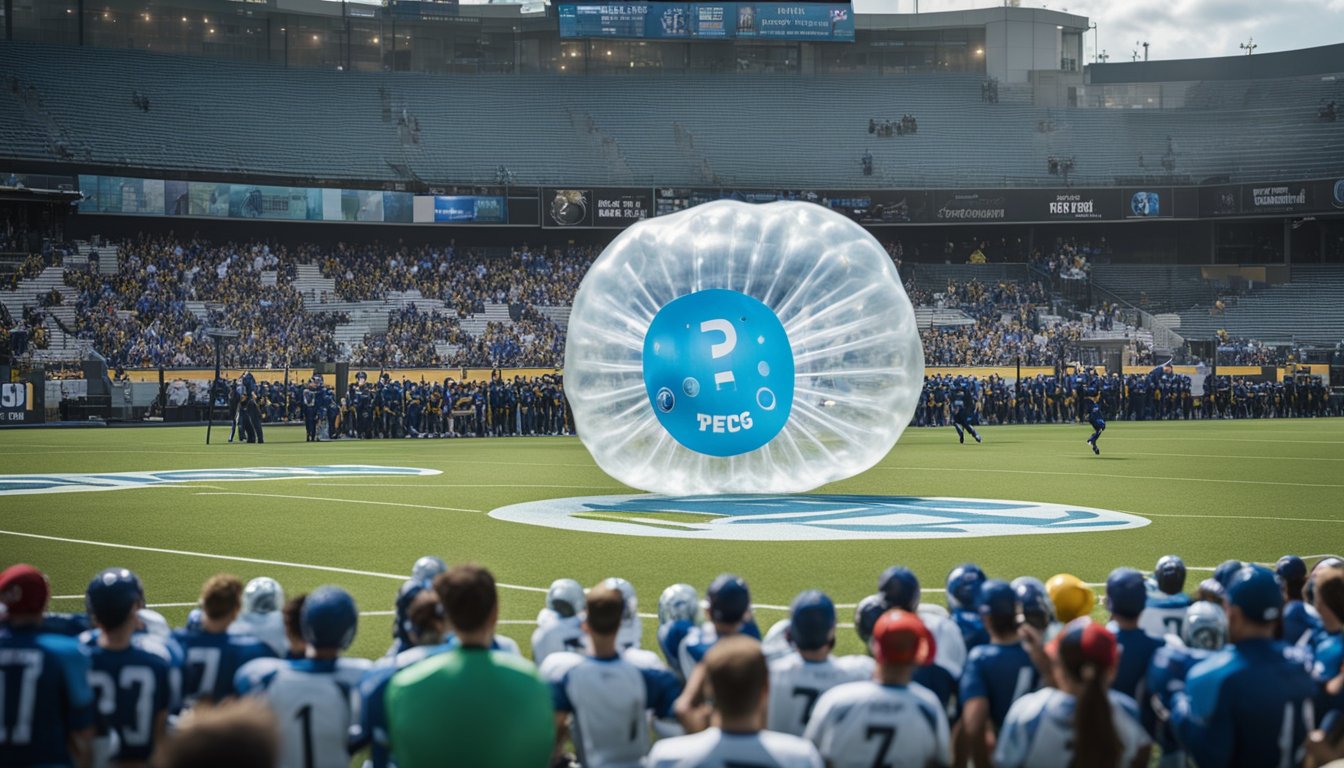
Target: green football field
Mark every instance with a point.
(1212, 490)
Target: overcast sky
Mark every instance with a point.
(1177, 29)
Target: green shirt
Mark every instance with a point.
(470, 707)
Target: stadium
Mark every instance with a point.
(371, 304)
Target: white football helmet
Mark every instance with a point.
(263, 595)
(627, 591)
(565, 598)
(679, 602)
(427, 567)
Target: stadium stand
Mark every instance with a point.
(1279, 313)
(675, 129)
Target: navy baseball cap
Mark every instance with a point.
(899, 587)
(1126, 594)
(1291, 568)
(997, 598)
(729, 599)
(1255, 590)
(1226, 570)
(811, 620)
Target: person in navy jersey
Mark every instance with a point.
(997, 673)
(899, 588)
(48, 712)
(963, 595)
(963, 411)
(131, 674)
(1164, 610)
(1098, 426)
(1078, 722)
(729, 612)
(1300, 619)
(1126, 596)
(1203, 633)
(213, 655)
(1250, 704)
(605, 694)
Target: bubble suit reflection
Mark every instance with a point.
(737, 348)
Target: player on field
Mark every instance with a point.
(1203, 632)
(473, 705)
(1094, 418)
(889, 720)
(606, 695)
(678, 613)
(49, 714)
(1126, 595)
(729, 611)
(1164, 608)
(798, 678)
(263, 597)
(132, 674)
(560, 624)
(314, 698)
(1078, 722)
(997, 673)
(963, 595)
(1250, 704)
(736, 670)
(632, 627)
(1301, 622)
(899, 588)
(963, 410)
(213, 655)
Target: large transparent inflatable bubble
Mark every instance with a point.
(737, 348)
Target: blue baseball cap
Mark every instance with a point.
(1126, 594)
(811, 620)
(1291, 568)
(1226, 570)
(729, 599)
(1255, 590)
(997, 598)
(899, 587)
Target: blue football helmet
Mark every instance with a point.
(1225, 571)
(866, 614)
(565, 598)
(900, 588)
(1170, 574)
(963, 586)
(329, 618)
(1205, 626)
(729, 599)
(112, 595)
(263, 595)
(427, 567)
(1037, 610)
(811, 620)
(678, 602)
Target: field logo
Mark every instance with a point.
(806, 517)
(15, 485)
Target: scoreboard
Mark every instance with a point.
(813, 22)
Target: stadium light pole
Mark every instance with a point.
(1249, 46)
(219, 336)
(1096, 43)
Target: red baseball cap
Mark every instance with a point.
(1094, 642)
(899, 637)
(24, 590)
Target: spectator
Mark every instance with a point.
(483, 707)
(236, 734)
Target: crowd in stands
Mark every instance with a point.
(1070, 259)
(1006, 329)
(906, 126)
(1240, 668)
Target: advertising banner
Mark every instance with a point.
(818, 22)
(614, 207)
(469, 209)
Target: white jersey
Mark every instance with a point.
(610, 700)
(951, 644)
(269, 628)
(715, 749)
(1163, 614)
(1038, 730)
(796, 684)
(315, 703)
(631, 633)
(558, 635)
(866, 723)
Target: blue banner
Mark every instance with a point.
(710, 21)
(469, 209)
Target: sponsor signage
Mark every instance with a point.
(596, 207)
(15, 485)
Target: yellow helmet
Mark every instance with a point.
(1071, 597)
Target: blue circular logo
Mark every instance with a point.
(718, 369)
(1339, 193)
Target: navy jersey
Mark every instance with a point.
(68, 624)
(1166, 677)
(1326, 665)
(1301, 623)
(1136, 653)
(46, 696)
(972, 628)
(1248, 705)
(1000, 672)
(213, 659)
(670, 637)
(132, 688)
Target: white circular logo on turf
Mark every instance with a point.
(809, 517)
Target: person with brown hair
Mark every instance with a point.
(1079, 723)
(735, 677)
(607, 695)
(237, 734)
(471, 706)
(214, 656)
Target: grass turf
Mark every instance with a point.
(1214, 490)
